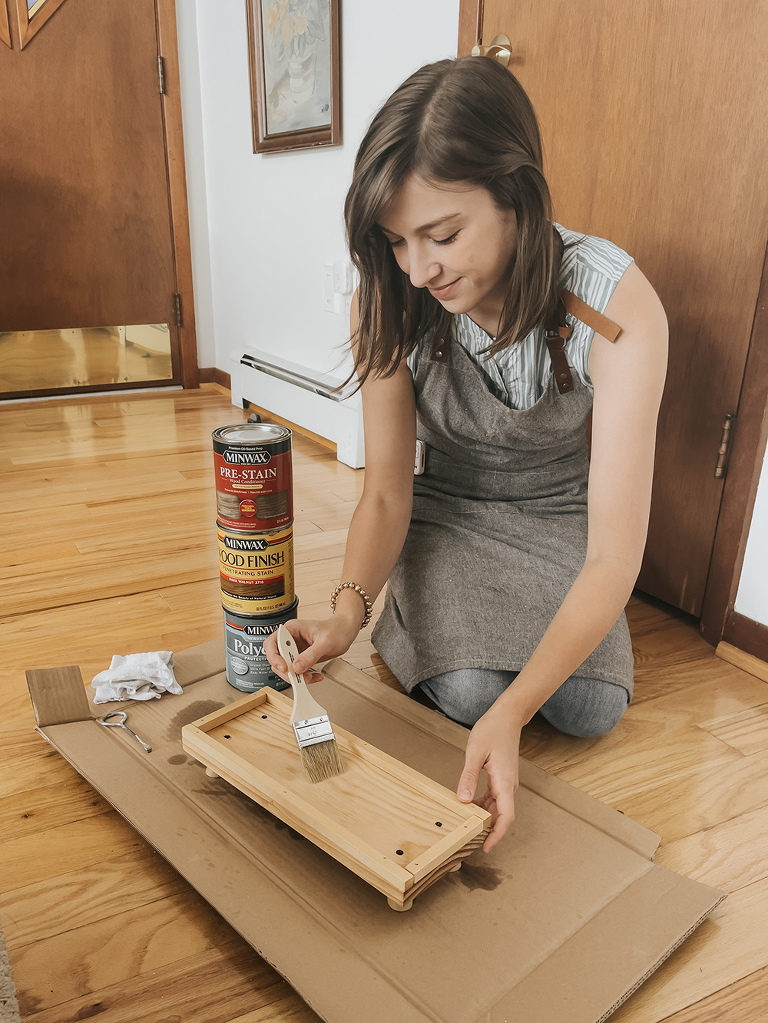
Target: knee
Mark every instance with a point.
(586, 707)
(465, 694)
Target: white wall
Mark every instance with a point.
(263, 225)
(752, 596)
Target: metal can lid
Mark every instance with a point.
(252, 433)
(254, 534)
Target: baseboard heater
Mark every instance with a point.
(302, 396)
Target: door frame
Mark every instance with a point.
(168, 48)
(750, 434)
(743, 476)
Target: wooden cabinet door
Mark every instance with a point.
(86, 237)
(653, 123)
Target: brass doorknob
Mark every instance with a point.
(500, 49)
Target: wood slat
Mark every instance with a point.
(126, 945)
(744, 1001)
(202, 988)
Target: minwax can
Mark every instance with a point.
(254, 478)
(256, 570)
(247, 666)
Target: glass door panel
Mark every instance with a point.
(88, 357)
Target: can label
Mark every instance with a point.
(256, 570)
(247, 666)
(254, 477)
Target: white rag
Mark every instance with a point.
(136, 677)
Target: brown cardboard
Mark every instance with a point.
(563, 920)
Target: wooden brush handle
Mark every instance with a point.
(304, 704)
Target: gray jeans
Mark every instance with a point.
(581, 706)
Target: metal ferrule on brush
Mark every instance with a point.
(312, 731)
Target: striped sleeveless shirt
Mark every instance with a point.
(518, 376)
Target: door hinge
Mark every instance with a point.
(161, 74)
(725, 442)
(177, 310)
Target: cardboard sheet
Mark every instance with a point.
(563, 920)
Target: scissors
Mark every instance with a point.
(121, 724)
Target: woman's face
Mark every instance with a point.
(452, 239)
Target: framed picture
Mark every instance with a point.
(293, 56)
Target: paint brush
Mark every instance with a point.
(317, 743)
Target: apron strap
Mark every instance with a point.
(557, 332)
(574, 305)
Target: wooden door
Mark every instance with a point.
(653, 123)
(87, 238)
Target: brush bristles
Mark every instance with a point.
(322, 760)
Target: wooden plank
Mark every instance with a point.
(727, 856)
(234, 710)
(75, 845)
(189, 988)
(290, 1009)
(143, 940)
(33, 913)
(744, 1001)
(746, 731)
(743, 660)
(455, 841)
(25, 813)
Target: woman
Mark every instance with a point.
(501, 602)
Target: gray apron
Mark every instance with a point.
(498, 531)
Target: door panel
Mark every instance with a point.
(652, 117)
(86, 237)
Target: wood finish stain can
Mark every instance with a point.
(247, 666)
(254, 477)
(256, 570)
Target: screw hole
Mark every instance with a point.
(263, 716)
(438, 824)
(399, 852)
(227, 736)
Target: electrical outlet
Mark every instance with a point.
(328, 295)
(342, 277)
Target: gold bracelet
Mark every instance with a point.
(363, 594)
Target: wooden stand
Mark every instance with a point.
(397, 829)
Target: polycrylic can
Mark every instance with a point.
(256, 570)
(254, 478)
(247, 666)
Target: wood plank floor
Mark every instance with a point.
(107, 518)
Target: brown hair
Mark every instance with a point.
(465, 120)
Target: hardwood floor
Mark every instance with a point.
(107, 516)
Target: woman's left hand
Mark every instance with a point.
(494, 744)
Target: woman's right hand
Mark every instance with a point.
(316, 640)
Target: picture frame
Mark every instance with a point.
(295, 74)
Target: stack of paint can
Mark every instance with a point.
(254, 506)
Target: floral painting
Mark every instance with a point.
(297, 64)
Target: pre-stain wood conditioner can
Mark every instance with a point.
(254, 480)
